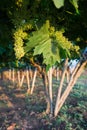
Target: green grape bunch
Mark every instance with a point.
(19, 37)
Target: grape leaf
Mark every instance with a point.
(75, 4)
(50, 52)
(58, 3)
(38, 37)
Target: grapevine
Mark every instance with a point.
(49, 43)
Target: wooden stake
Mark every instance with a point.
(33, 82)
(18, 72)
(22, 79)
(50, 90)
(9, 74)
(61, 83)
(77, 72)
(13, 75)
(27, 76)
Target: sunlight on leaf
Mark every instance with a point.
(58, 3)
(75, 4)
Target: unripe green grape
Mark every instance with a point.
(18, 41)
(19, 52)
(20, 33)
(62, 40)
(48, 23)
(28, 27)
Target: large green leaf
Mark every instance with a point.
(75, 4)
(50, 52)
(58, 3)
(37, 37)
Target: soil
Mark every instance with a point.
(18, 111)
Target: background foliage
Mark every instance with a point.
(19, 18)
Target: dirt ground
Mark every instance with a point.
(15, 113)
(20, 112)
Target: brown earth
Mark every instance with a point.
(20, 112)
